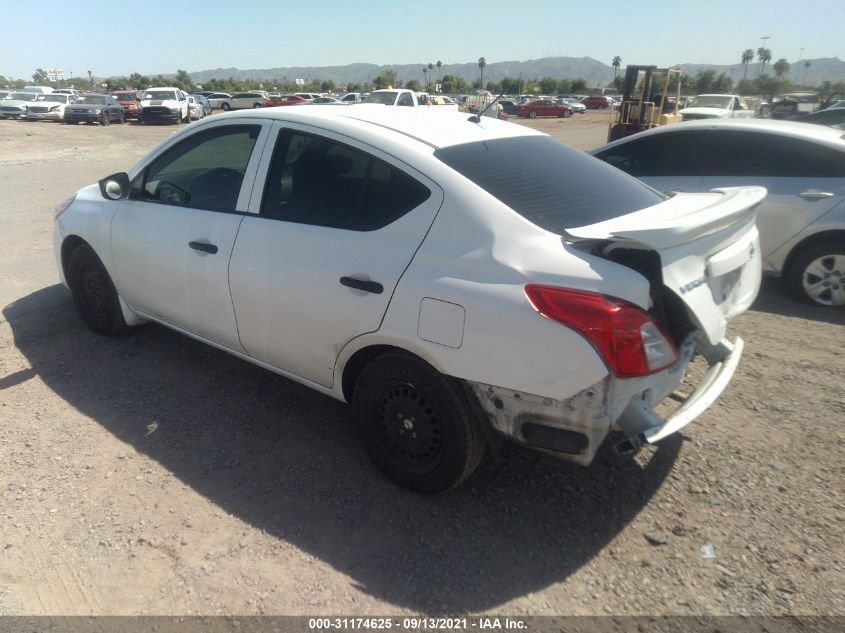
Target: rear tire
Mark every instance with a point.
(566, 114)
(105, 119)
(416, 424)
(532, 114)
(817, 275)
(94, 293)
(225, 107)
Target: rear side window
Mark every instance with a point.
(315, 180)
(772, 156)
(550, 184)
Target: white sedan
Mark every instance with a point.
(196, 109)
(400, 260)
(49, 107)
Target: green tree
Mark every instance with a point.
(564, 86)
(548, 85)
(617, 61)
(40, 76)
(430, 68)
(781, 67)
(723, 84)
(353, 87)
(439, 66)
(509, 85)
(3, 81)
(327, 85)
(413, 84)
(579, 85)
(386, 78)
(704, 81)
(482, 64)
(183, 81)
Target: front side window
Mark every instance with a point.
(679, 154)
(314, 180)
(205, 171)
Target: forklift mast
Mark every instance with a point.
(640, 108)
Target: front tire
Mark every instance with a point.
(817, 275)
(416, 424)
(225, 107)
(532, 114)
(105, 119)
(94, 293)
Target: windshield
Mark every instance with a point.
(56, 98)
(159, 95)
(711, 101)
(386, 98)
(91, 100)
(552, 184)
(23, 96)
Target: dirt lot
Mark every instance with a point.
(154, 475)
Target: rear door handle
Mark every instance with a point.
(362, 284)
(815, 194)
(205, 247)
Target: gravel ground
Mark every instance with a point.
(151, 474)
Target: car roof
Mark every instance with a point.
(795, 129)
(428, 125)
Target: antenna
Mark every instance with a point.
(476, 118)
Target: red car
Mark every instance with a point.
(598, 101)
(130, 102)
(544, 107)
(284, 100)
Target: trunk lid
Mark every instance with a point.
(707, 245)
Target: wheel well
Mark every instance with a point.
(813, 240)
(70, 243)
(356, 364)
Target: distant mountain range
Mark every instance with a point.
(596, 73)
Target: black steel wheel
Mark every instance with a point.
(416, 424)
(94, 293)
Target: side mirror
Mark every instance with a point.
(115, 187)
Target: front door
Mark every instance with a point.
(171, 241)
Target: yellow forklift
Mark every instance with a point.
(640, 108)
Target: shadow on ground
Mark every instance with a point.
(286, 460)
(775, 299)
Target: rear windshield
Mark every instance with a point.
(550, 184)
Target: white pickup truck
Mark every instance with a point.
(716, 106)
(168, 104)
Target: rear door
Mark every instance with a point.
(337, 223)
(805, 180)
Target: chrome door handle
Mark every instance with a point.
(815, 194)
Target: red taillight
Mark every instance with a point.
(628, 339)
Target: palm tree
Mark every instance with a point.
(747, 58)
(764, 55)
(616, 62)
(439, 64)
(481, 64)
(430, 67)
(425, 76)
(807, 65)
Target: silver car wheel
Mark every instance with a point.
(824, 280)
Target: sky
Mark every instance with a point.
(155, 36)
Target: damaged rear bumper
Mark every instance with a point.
(574, 428)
